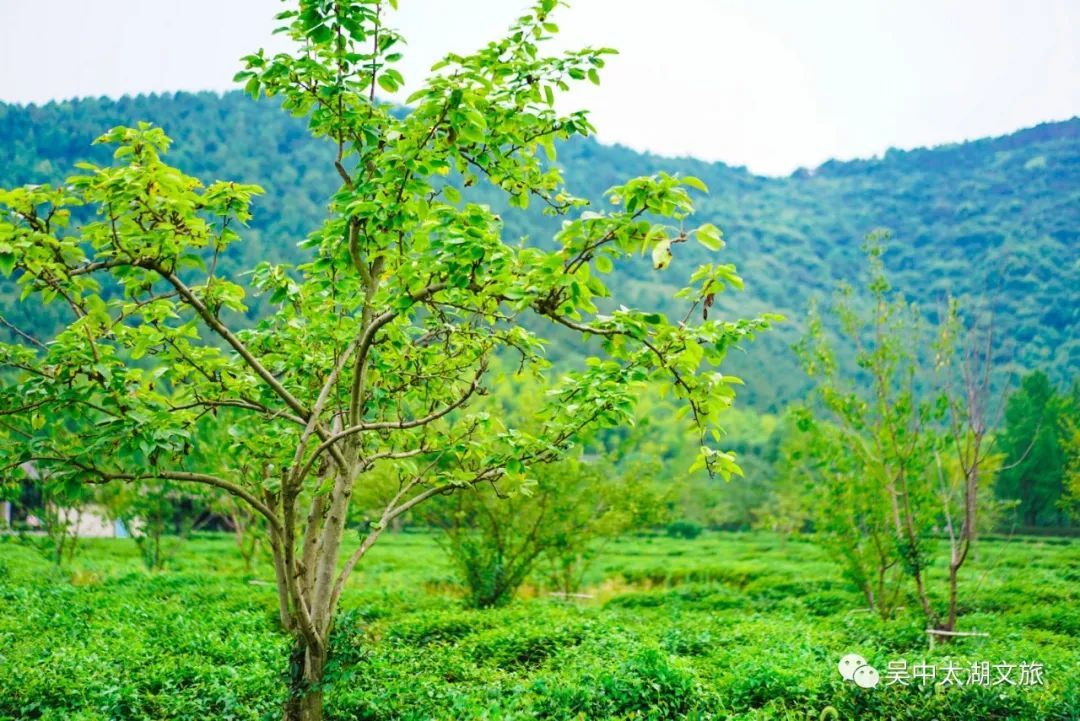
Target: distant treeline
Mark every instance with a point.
(995, 219)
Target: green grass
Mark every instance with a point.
(740, 626)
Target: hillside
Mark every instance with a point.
(997, 217)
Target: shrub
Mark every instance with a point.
(495, 542)
(516, 647)
(645, 686)
(684, 529)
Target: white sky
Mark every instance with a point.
(770, 84)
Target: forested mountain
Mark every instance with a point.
(996, 218)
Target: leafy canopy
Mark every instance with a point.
(409, 291)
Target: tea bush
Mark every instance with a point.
(733, 626)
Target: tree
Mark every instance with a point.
(1070, 445)
(157, 516)
(58, 509)
(496, 540)
(498, 537)
(872, 446)
(900, 453)
(788, 508)
(372, 350)
(966, 359)
(247, 526)
(1032, 443)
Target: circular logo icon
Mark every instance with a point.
(866, 677)
(849, 664)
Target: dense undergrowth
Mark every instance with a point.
(723, 626)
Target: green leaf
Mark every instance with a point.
(661, 254)
(695, 183)
(710, 236)
(387, 83)
(320, 34)
(604, 264)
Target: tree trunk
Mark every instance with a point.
(950, 621)
(305, 699)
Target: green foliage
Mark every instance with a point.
(738, 628)
(248, 528)
(58, 509)
(1033, 443)
(901, 446)
(367, 355)
(553, 527)
(866, 464)
(953, 209)
(157, 516)
(1070, 443)
(684, 529)
(137, 354)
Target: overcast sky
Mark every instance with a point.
(770, 84)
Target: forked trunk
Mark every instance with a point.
(305, 699)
